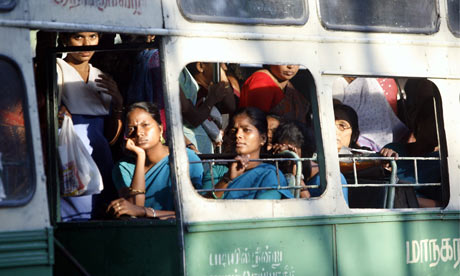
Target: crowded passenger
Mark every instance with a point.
(295, 137)
(273, 121)
(249, 132)
(203, 103)
(377, 121)
(143, 176)
(91, 98)
(270, 90)
(425, 145)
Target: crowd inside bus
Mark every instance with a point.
(246, 112)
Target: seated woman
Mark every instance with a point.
(249, 132)
(426, 145)
(143, 180)
(271, 91)
(347, 133)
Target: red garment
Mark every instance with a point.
(390, 88)
(260, 91)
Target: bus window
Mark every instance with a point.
(284, 96)
(383, 145)
(453, 20)
(16, 167)
(402, 16)
(291, 12)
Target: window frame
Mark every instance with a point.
(245, 21)
(5, 203)
(377, 29)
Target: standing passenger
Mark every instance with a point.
(91, 98)
(271, 91)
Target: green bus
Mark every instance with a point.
(403, 40)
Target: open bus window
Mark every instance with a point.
(260, 116)
(390, 142)
(16, 169)
(453, 16)
(401, 16)
(288, 12)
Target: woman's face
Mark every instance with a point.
(284, 72)
(247, 137)
(143, 129)
(343, 133)
(272, 126)
(82, 39)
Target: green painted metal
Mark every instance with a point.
(41, 270)
(380, 244)
(127, 247)
(395, 248)
(26, 251)
(279, 251)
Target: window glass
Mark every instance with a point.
(16, 171)
(453, 16)
(400, 16)
(271, 12)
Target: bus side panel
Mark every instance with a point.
(399, 248)
(296, 250)
(119, 248)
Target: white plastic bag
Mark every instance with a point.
(80, 173)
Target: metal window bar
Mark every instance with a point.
(296, 187)
(390, 193)
(390, 187)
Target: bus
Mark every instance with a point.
(403, 40)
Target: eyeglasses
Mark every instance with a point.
(342, 126)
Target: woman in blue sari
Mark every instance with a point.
(143, 181)
(249, 133)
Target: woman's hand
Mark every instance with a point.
(238, 167)
(386, 152)
(277, 148)
(63, 111)
(123, 207)
(131, 146)
(110, 87)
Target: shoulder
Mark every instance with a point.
(192, 156)
(126, 163)
(259, 76)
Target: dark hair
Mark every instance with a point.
(148, 107)
(256, 116)
(296, 134)
(275, 116)
(347, 113)
(191, 67)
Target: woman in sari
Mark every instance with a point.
(143, 180)
(271, 91)
(249, 131)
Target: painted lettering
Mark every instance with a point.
(102, 5)
(263, 261)
(433, 251)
